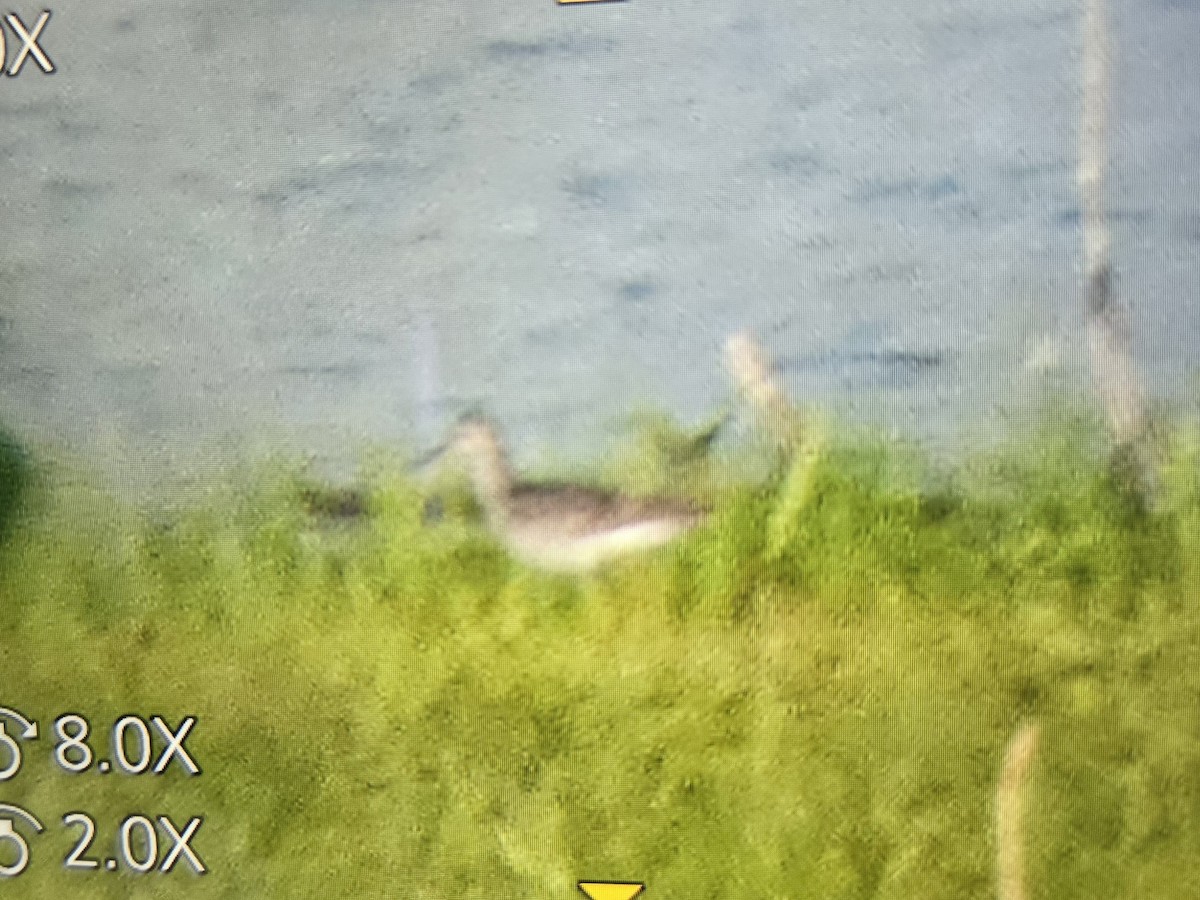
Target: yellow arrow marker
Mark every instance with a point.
(611, 890)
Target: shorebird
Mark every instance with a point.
(758, 383)
(560, 526)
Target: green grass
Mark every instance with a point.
(15, 475)
(809, 698)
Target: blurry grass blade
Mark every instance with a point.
(788, 516)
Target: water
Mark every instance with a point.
(238, 227)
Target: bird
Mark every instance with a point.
(758, 383)
(561, 526)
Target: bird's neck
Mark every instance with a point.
(493, 480)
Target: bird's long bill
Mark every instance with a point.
(426, 465)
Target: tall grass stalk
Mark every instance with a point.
(1115, 372)
(1010, 813)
